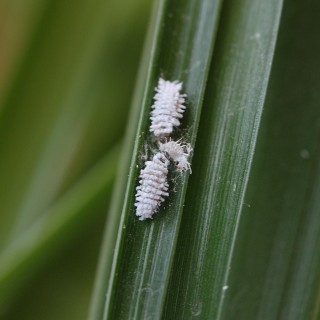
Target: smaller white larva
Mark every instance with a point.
(153, 186)
(168, 108)
(178, 153)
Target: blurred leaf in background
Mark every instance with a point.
(65, 88)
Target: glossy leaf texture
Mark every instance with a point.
(180, 44)
(147, 254)
(223, 156)
(276, 267)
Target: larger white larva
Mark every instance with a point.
(168, 108)
(153, 186)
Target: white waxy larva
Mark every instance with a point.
(153, 186)
(168, 108)
(178, 153)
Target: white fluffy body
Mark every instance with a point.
(168, 108)
(153, 186)
(178, 153)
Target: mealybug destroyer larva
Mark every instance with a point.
(178, 153)
(153, 186)
(168, 108)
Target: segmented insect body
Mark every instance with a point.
(168, 108)
(153, 186)
(178, 153)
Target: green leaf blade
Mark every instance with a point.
(144, 250)
(277, 261)
(223, 156)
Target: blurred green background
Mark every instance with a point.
(67, 75)
(67, 72)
